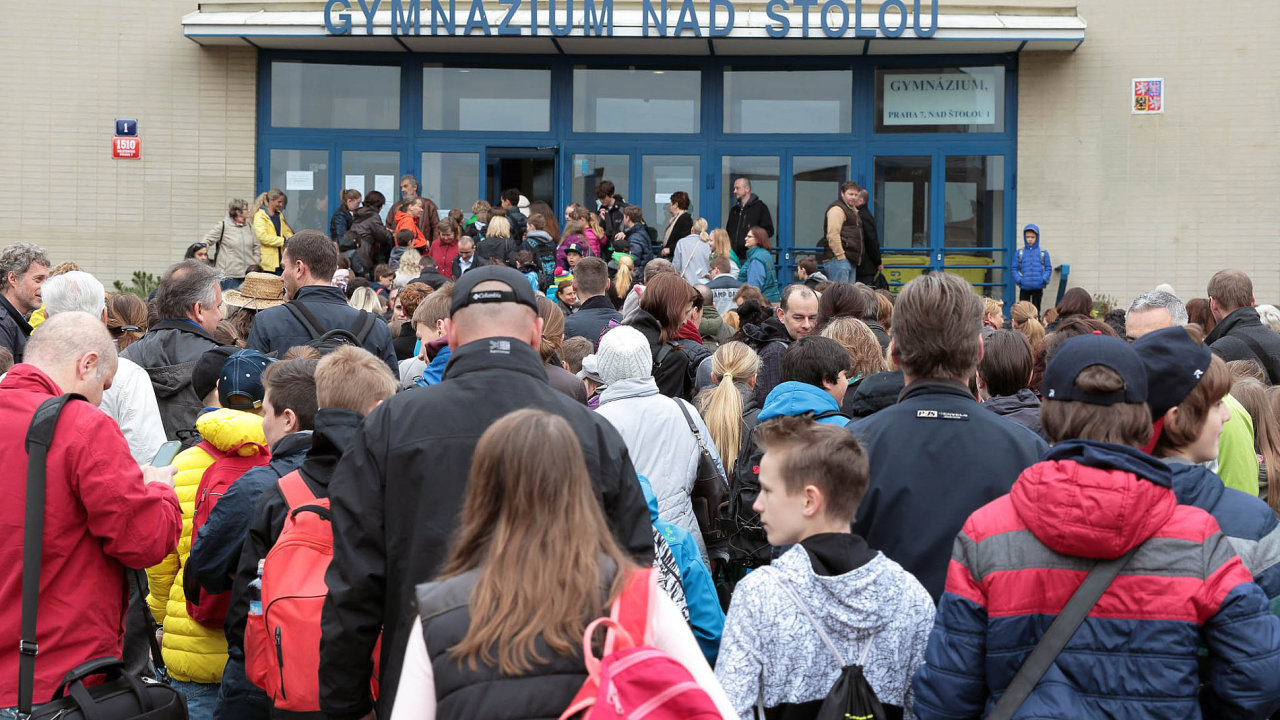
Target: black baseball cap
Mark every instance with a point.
(464, 292)
(1085, 351)
(1175, 364)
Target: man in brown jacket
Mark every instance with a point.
(842, 235)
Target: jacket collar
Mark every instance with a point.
(1194, 485)
(629, 388)
(30, 378)
(335, 432)
(1110, 456)
(1242, 317)
(321, 293)
(935, 386)
(495, 353)
(182, 326)
(1023, 399)
(596, 301)
(291, 444)
(17, 316)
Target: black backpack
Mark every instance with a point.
(544, 256)
(327, 342)
(747, 541)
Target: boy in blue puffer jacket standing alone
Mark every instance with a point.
(1031, 267)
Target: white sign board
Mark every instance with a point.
(967, 98)
(354, 182)
(299, 180)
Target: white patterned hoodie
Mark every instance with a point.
(770, 650)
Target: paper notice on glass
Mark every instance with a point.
(385, 184)
(353, 182)
(302, 180)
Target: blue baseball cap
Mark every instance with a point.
(240, 383)
(1085, 351)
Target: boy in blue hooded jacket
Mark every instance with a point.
(1032, 267)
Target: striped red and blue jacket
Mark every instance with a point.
(1018, 559)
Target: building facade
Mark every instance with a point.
(965, 121)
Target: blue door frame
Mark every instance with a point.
(862, 144)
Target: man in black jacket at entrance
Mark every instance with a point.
(871, 263)
(591, 279)
(937, 455)
(1240, 334)
(309, 261)
(397, 491)
(747, 212)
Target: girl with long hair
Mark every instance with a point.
(728, 408)
(532, 563)
(721, 245)
(665, 305)
(623, 279)
(1252, 394)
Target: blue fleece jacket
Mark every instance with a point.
(705, 616)
(1032, 267)
(793, 398)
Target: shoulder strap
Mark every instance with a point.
(1263, 356)
(1058, 635)
(632, 608)
(663, 353)
(829, 414)
(826, 639)
(688, 419)
(304, 316)
(296, 491)
(39, 438)
(365, 326)
(222, 230)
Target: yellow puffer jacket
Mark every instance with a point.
(193, 652)
(272, 243)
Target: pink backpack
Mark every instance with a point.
(636, 681)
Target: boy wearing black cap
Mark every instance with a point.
(1187, 384)
(1094, 498)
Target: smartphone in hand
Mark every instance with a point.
(168, 451)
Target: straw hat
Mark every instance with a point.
(259, 292)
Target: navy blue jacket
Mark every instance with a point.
(1247, 521)
(590, 319)
(936, 456)
(641, 245)
(276, 329)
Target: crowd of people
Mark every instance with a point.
(418, 457)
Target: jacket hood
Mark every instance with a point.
(629, 388)
(867, 599)
(793, 398)
(363, 212)
(1025, 399)
(1242, 317)
(752, 199)
(767, 331)
(1095, 500)
(226, 429)
(335, 432)
(1033, 229)
(650, 499)
(1194, 484)
(539, 237)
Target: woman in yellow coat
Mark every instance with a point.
(195, 654)
(272, 230)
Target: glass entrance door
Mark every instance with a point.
(902, 209)
(530, 169)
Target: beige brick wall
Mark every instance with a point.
(1130, 201)
(65, 82)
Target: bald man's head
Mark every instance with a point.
(75, 350)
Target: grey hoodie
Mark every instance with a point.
(770, 650)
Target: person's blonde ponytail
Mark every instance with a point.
(721, 406)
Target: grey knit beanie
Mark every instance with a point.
(623, 354)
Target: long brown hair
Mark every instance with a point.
(532, 526)
(552, 327)
(1252, 395)
(126, 319)
(667, 297)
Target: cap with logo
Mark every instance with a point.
(519, 290)
(1085, 351)
(1174, 363)
(240, 383)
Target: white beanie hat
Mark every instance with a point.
(624, 354)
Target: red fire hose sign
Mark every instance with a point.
(126, 148)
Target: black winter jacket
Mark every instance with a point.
(590, 319)
(872, 394)
(611, 221)
(519, 224)
(339, 224)
(397, 492)
(640, 246)
(1242, 336)
(741, 219)
(14, 329)
(502, 249)
(169, 352)
(675, 374)
(770, 340)
(870, 243)
(680, 229)
(1022, 408)
(376, 240)
(936, 456)
(276, 329)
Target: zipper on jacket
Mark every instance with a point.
(280, 663)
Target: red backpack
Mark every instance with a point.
(282, 645)
(633, 680)
(210, 609)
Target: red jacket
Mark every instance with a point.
(444, 253)
(405, 221)
(99, 519)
